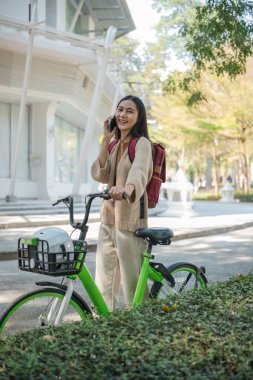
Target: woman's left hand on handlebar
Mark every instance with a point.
(118, 193)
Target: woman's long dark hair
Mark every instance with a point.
(141, 127)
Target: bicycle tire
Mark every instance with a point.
(185, 277)
(29, 311)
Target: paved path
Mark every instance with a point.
(210, 218)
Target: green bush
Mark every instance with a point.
(205, 196)
(244, 197)
(209, 196)
(208, 336)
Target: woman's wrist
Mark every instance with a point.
(106, 141)
(129, 188)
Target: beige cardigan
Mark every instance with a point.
(125, 214)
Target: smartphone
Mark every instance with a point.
(113, 124)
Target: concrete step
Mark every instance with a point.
(38, 207)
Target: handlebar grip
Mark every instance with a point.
(61, 200)
(107, 196)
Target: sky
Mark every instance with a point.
(144, 18)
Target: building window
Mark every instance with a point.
(83, 22)
(68, 140)
(8, 139)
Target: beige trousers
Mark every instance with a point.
(119, 258)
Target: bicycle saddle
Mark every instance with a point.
(155, 235)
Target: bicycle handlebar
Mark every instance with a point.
(69, 202)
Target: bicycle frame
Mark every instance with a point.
(93, 291)
(147, 272)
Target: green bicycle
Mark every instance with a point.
(57, 255)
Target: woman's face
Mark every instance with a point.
(126, 115)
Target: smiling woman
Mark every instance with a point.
(119, 250)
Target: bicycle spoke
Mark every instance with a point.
(186, 278)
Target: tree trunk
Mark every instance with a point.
(215, 170)
(244, 157)
(209, 173)
(245, 167)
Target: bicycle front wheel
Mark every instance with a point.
(186, 276)
(39, 309)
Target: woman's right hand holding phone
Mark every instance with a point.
(109, 127)
(108, 134)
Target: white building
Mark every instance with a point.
(55, 92)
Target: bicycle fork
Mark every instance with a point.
(59, 307)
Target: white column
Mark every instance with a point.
(43, 147)
(91, 121)
(50, 148)
(26, 80)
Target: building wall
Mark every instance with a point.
(62, 82)
(37, 178)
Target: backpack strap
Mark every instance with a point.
(131, 148)
(112, 145)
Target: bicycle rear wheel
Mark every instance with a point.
(186, 276)
(38, 309)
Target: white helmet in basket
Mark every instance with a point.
(58, 240)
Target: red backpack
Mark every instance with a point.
(159, 168)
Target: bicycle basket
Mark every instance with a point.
(38, 255)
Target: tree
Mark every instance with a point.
(220, 36)
(229, 107)
(218, 131)
(127, 64)
(219, 40)
(174, 13)
(238, 120)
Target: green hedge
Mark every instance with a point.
(208, 336)
(202, 196)
(244, 197)
(209, 196)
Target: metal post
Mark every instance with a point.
(26, 78)
(110, 36)
(116, 99)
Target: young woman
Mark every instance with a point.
(119, 251)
